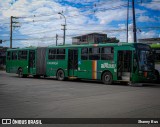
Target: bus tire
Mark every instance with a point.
(36, 76)
(60, 75)
(20, 73)
(157, 76)
(107, 78)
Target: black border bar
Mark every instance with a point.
(88, 120)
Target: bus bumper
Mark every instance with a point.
(144, 77)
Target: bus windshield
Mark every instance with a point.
(146, 61)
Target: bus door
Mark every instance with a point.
(124, 65)
(32, 65)
(72, 62)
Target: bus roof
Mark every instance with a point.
(84, 45)
(88, 45)
(28, 48)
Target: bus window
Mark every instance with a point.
(107, 53)
(157, 55)
(22, 55)
(14, 55)
(60, 54)
(84, 54)
(8, 55)
(135, 65)
(94, 53)
(145, 60)
(52, 54)
(56, 54)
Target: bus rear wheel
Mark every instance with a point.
(107, 78)
(20, 73)
(60, 75)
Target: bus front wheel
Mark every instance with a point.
(157, 76)
(60, 75)
(107, 78)
(36, 76)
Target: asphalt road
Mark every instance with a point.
(49, 98)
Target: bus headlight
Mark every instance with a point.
(140, 72)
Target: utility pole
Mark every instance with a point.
(127, 20)
(12, 25)
(56, 39)
(11, 21)
(64, 33)
(64, 29)
(134, 23)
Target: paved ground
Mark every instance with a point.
(49, 98)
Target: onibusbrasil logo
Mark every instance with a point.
(21, 121)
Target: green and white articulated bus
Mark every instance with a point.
(110, 62)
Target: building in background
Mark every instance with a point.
(149, 40)
(93, 38)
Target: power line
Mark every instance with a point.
(79, 9)
(22, 39)
(100, 9)
(46, 20)
(156, 27)
(104, 9)
(92, 30)
(41, 32)
(35, 20)
(84, 7)
(70, 16)
(73, 35)
(93, 5)
(55, 13)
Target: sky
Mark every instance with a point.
(38, 21)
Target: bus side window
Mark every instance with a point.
(107, 53)
(22, 55)
(14, 55)
(8, 55)
(94, 53)
(52, 54)
(157, 55)
(84, 54)
(60, 54)
(134, 62)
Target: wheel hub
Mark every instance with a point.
(107, 77)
